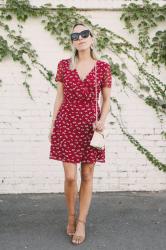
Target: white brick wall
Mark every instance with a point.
(24, 125)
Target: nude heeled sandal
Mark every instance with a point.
(79, 238)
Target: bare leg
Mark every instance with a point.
(85, 196)
(70, 189)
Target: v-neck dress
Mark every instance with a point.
(73, 126)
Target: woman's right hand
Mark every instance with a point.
(99, 126)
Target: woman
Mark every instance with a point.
(74, 122)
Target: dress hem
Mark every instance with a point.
(57, 159)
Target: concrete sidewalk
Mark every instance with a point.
(116, 221)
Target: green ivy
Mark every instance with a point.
(158, 47)
(139, 147)
(143, 18)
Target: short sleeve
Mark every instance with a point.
(107, 76)
(59, 73)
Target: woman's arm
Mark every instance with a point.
(105, 90)
(58, 101)
(105, 108)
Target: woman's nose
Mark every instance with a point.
(80, 37)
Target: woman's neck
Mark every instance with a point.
(84, 56)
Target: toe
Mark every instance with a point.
(78, 240)
(74, 239)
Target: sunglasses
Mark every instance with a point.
(84, 34)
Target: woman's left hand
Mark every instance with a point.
(99, 126)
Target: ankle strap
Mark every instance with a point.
(81, 221)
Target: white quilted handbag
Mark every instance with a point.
(98, 139)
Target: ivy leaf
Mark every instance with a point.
(160, 18)
(144, 87)
(8, 17)
(155, 39)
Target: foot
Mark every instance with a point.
(71, 224)
(79, 235)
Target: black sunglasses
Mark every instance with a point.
(84, 34)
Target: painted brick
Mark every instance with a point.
(24, 124)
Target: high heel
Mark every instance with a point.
(78, 239)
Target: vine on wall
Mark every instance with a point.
(143, 19)
(59, 21)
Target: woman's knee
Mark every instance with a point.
(70, 172)
(87, 172)
(70, 179)
(86, 177)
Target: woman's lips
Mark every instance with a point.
(81, 43)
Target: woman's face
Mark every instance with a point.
(82, 43)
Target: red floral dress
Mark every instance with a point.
(73, 129)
